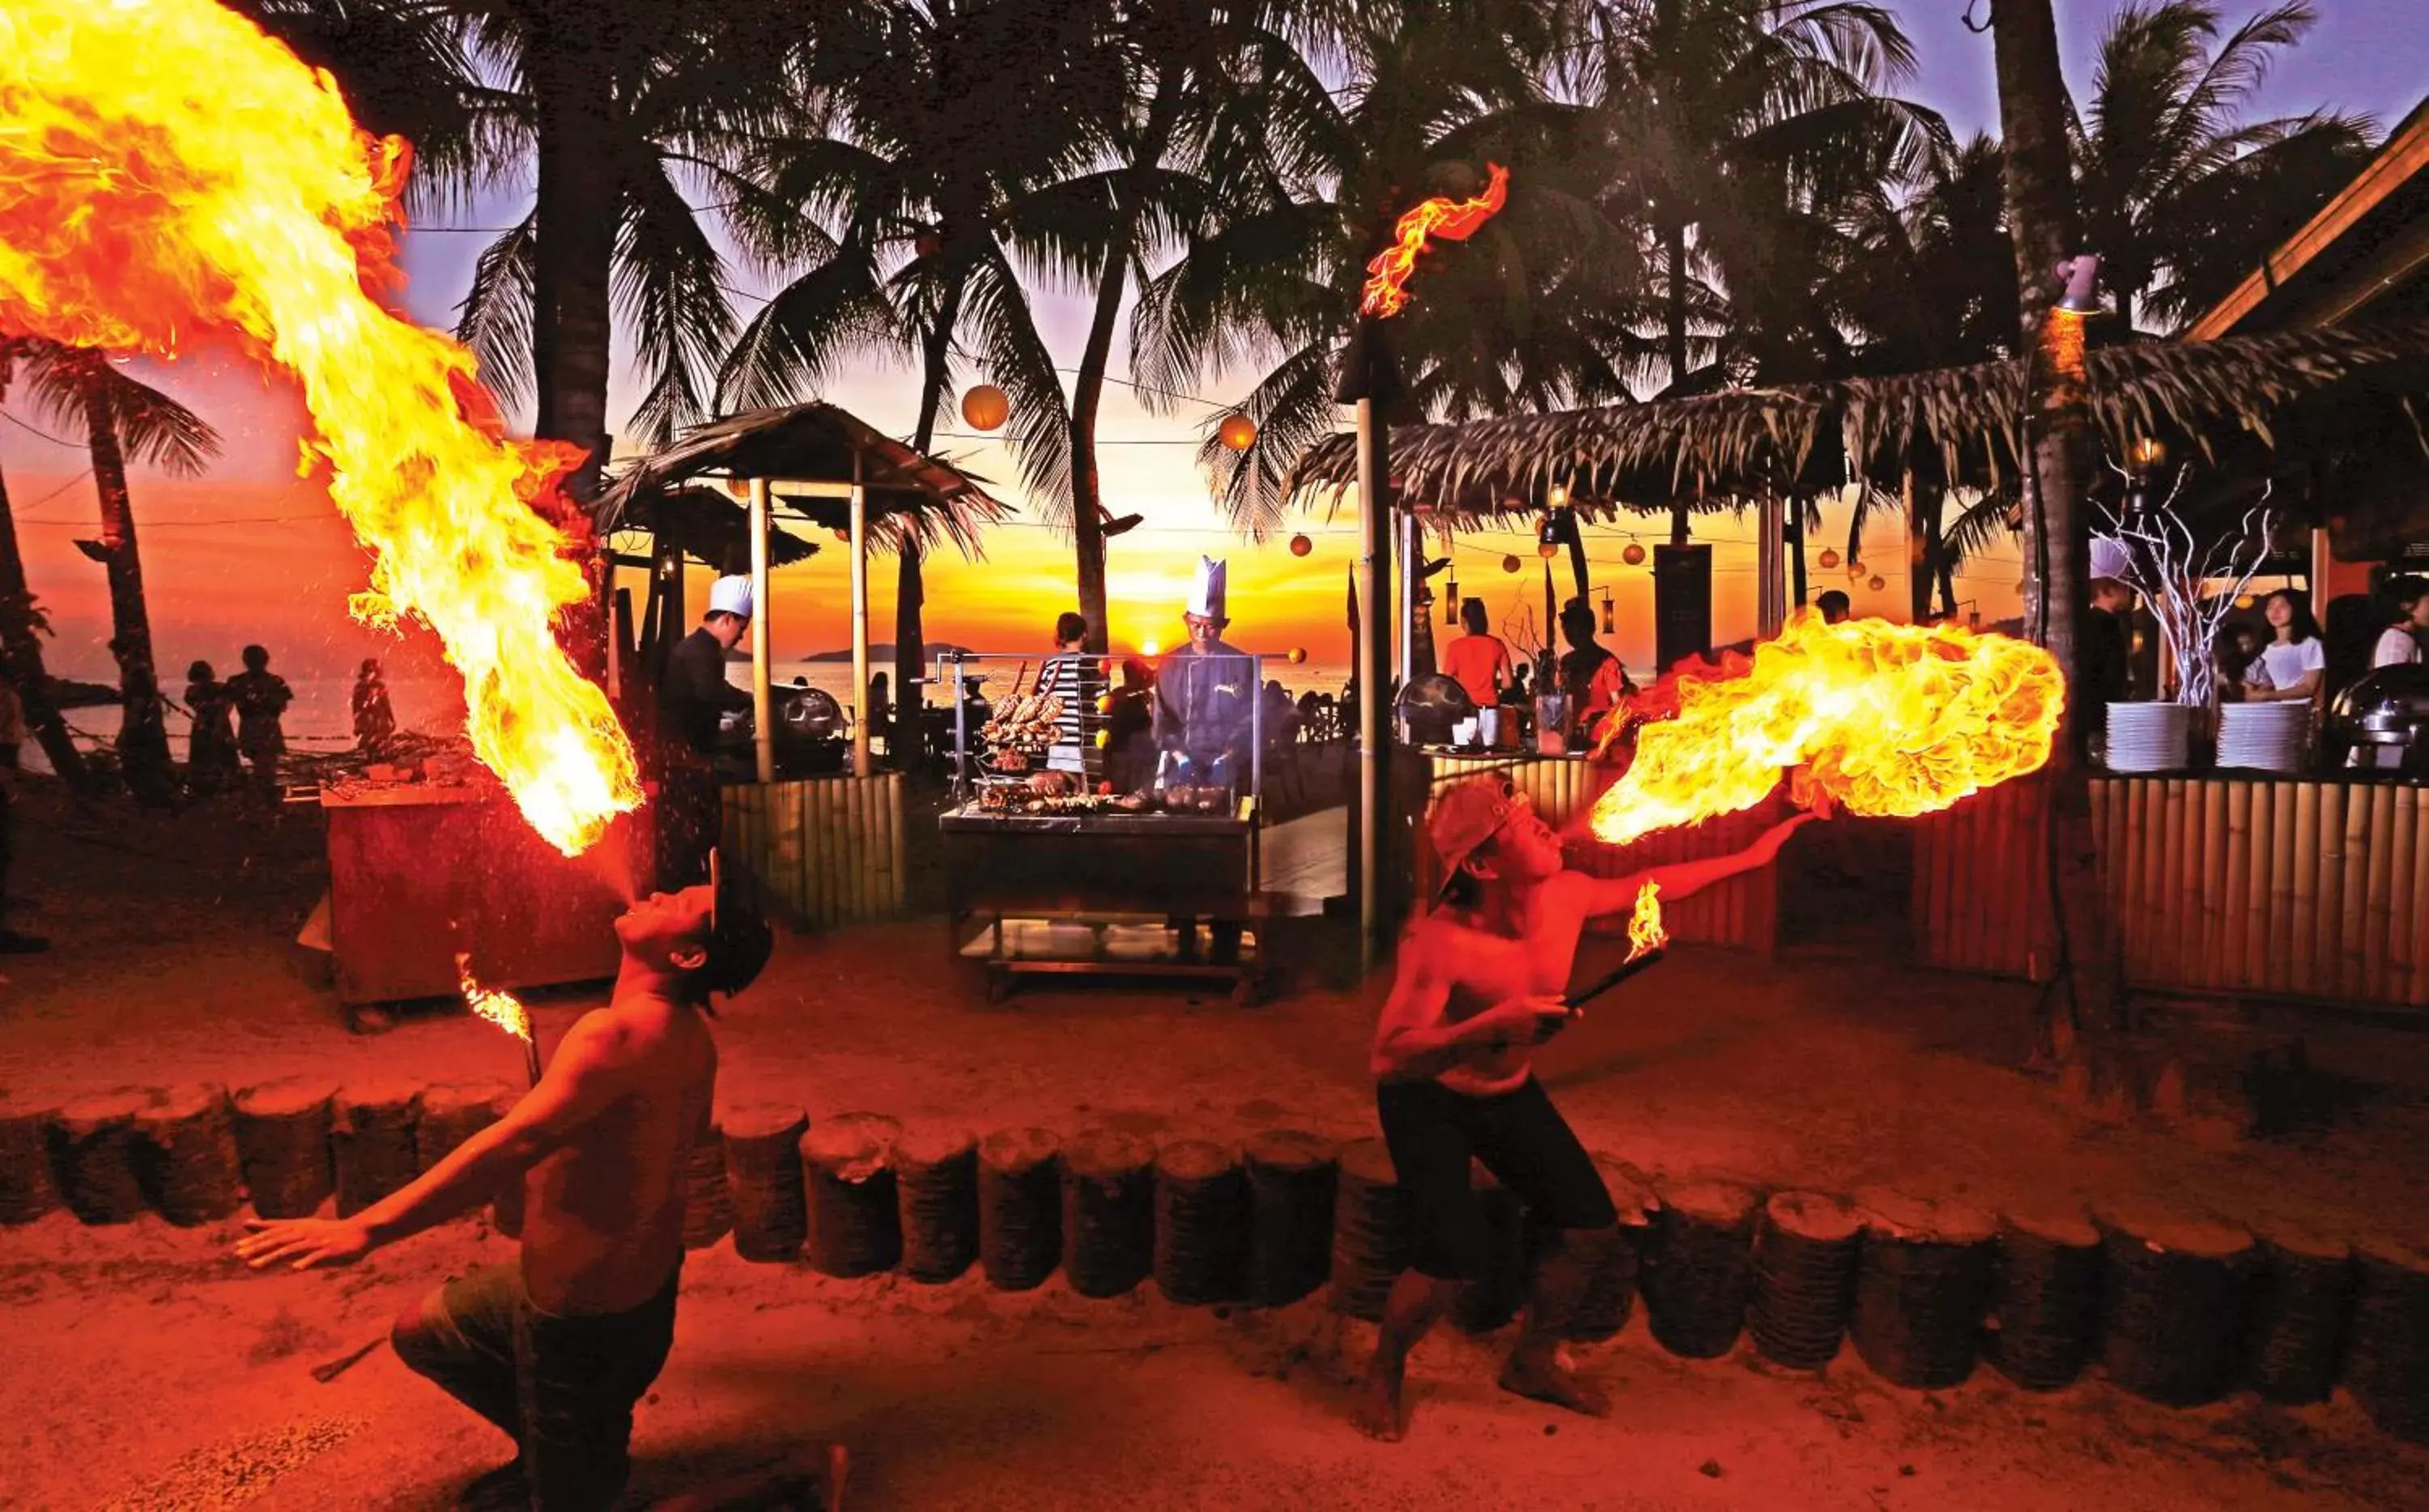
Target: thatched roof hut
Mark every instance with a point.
(906, 489)
(2290, 406)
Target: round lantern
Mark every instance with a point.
(1855, 568)
(1633, 556)
(1299, 655)
(1237, 432)
(2243, 601)
(1876, 583)
(843, 536)
(1828, 558)
(1547, 550)
(1300, 546)
(1510, 563)
(985, 407)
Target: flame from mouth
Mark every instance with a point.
(1387, 292)
(166, 169)
(1885, 720)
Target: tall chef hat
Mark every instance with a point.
(730, 596)
(1206, 591)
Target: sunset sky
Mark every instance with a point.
(250, 552)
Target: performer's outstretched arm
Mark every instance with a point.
(1678, 879)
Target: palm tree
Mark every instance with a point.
(2180, 194)
(122, 417)
(1534, 311)
(925, 166)
(1742, 126)
(22, 624)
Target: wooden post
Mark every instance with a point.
(860, 622)
(1770, 546)
(762, 711)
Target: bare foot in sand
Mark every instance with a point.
(1377, 1412)
(1556, 1381)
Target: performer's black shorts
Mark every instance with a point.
(1520, 1138)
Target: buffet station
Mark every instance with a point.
(1090, 833)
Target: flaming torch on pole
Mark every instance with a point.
(502, 1008)
(1371, 381)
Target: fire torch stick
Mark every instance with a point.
(1647, 942)
(505, 1011)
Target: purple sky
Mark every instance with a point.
(2367, 56)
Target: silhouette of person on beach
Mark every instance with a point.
(212, 764)
(374, 720)
(261, 697)
(12, 735)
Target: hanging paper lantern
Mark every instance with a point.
(1828, 558)
(1855, 568)
(1298, 655)
(1237, 432)
(985, 407)
(2243, 601)
(1876, 583)
(1633, 556)
(1510, 563)
(1300, 546)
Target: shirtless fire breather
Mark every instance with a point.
(1479, 984)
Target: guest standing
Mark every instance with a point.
(1592, 676)
(212, 764)
(375, 719)
(1477, 661)
(12, 736)
(693, 700)
(2291, 666)
(2398, 645)
(261, 697)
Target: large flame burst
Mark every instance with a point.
(165, 167)
(1387, 292)
(1885, 720)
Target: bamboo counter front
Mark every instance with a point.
(1052, 893)
(2239, 885)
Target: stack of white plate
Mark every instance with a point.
(2149, 737)
(2264, 737)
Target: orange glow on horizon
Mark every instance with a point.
(139, 211)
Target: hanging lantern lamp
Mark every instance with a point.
(1299, 656)
(1510, 563)
(1237, 432)
(1633, 556)
(1300, 546)
(985, 407)
(1828, 558)
(1608, 627)
(1547, 535)
(1876, 583)
(1450, 601)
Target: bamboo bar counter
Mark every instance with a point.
(2239, 885)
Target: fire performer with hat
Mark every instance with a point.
(693, 700)
(1480, 983)
(556, 1349)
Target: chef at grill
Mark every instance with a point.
(1207, 690)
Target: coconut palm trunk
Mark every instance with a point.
(21, 652)
(2041, 223)
(142, 738)
(1674, 249)
(935, 354)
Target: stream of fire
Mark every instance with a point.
(1885, 720)
(1386, 290)
(167, 172)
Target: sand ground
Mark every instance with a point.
(145, 1369)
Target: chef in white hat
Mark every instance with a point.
(2105, 658)
(693, 698)
(1207, 693)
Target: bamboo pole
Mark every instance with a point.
(764, 729)
(821, 830)
(2235, 913)
(2176, 895)
(2255, 971)
(2362, 822)
(860, 853)
(2379, 917)
(2213, 880)
(847, 845)
(2328, 894)
(859, 534)
(2012, 914)
(2404, 896)
(806, 844)
(2281, 884)
(2302, 863)
(2419, 995)
(2129, 877)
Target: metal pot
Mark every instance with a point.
(2389, 707)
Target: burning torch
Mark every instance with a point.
(502, 1008)
(1647, 942)
(1371, 381)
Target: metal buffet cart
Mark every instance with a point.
(1075, 844)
